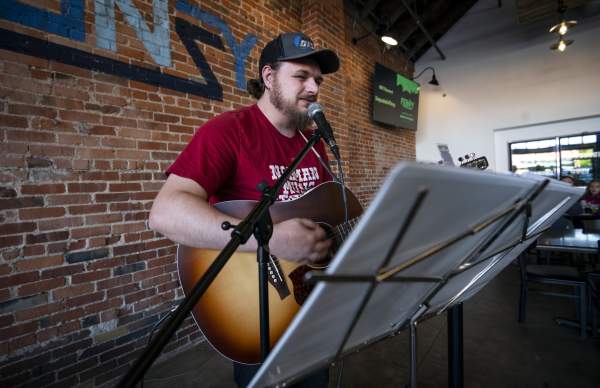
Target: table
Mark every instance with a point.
(574, 241)
(571, 240)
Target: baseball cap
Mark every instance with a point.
(295, 45)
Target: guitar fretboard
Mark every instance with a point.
(340, 231)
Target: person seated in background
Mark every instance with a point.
(576, 209)
(591, 198)
(568, 179)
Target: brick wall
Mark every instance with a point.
(89, 121)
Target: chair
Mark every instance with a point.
(591, 226)
(593, 279)
(562, 275)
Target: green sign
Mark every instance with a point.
(396, 99)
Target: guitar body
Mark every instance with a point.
(228, 312)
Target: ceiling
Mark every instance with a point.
(419, 24)
(416, 23)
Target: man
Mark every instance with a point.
(232, 153)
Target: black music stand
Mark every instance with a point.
(432, 237)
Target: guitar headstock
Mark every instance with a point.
(470, 161)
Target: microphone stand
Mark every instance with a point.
(257, 222)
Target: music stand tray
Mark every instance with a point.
(433, 236)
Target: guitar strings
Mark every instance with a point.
(337, 232)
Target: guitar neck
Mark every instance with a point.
(342, 230)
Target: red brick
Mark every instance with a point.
(126, 206)
(5, 269)
(103, 219)
(139, 295)
(119, 122)
(80, 117)
(46, 237)
(72, 291)
(55, 188)
(30, 136)
(156, 280)
(141, 275)
(43, 262)
(13, 121)
(100, 176)
(18, 330)
(85, 299)
(17, 228)
(18, 203)
(161, 261)
(62, 223)
(18, 279)
(86, 187)
(38, 311)
(40, 286)
(122, 290)
(90, 232)
(21, 342)
(90, 276)
(33, 250)
(87, 209)
(116, 142)
(104, 305)
(114, 281)
(4, 293)
(31, 110)
(117, 187)
(129, 228)
(69, 199)
(47, 334)
(69, 327)
(39, 213)
(62, 271)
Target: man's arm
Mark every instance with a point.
(182, 213)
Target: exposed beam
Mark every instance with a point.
(399, 12)
(454, 13)
(423, 29)
(370, 6)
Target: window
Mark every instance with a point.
(575, 155)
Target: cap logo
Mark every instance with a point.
(302, 43)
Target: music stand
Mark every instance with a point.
(431, 238)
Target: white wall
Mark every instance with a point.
(499, 74)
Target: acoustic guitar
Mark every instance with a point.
(228, 312)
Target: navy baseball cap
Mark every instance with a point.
(295, 45)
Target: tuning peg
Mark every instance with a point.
(467, 157)
(460, 159)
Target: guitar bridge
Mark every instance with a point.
(276, 278)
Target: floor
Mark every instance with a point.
(498, 351)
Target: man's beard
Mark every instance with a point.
(298, 120)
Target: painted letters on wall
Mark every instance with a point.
(69, 23)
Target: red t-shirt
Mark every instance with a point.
(232, 153)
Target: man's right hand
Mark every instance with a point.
(299, 239)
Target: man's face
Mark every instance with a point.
(295, 86)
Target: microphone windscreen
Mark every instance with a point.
(314, 108)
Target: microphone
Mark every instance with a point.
(315, 112)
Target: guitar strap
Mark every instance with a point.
(335, 178)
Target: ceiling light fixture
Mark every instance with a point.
(562, 28)
(388, 39)
(561, 45)
(433, 80)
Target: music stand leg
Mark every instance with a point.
(412, 330)
(455, 346)
(412, 378)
